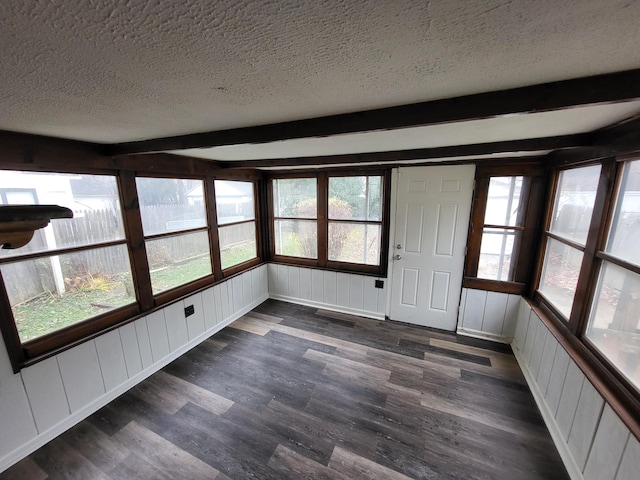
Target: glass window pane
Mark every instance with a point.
(625, 228)
(237, 243)
(234, 201)
(296, 238)
(496, 253)
(354, 243)
(503, 201)
(614, 324)
(355, 198)
(295, 197)
(560, 272)
(171, 204)
(178, 259)
(93, 199)
(574, 201)
(50, 293)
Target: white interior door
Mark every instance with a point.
(433, 205)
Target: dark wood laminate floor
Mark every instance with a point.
(290, 392)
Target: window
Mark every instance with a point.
(614, 320)
(330, 220)
(355, 219)
(506, 209)
(235, 207)
(566, 236)
(295, 207)
(174, 222)
(73, 269)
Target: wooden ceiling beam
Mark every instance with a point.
(599, 89)
(525, 145)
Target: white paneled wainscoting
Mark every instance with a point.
(47, 398)
(591, 438)
(488, 315)
(342, 292)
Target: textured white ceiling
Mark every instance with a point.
(114, 71)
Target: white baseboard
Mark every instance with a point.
(328, 306)
(567, 458)
(76, 417)
(483, 335)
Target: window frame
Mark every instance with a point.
(160, 166)
(608, 380)
(531, 203)
(322, 219)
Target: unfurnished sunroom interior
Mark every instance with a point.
(468, 166)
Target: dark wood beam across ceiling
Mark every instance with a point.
(510, 146)
(599, 89)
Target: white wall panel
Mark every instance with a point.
(131, 349)
(608, 446)
(305, 283)
(370, 294)
(81, 375)
(176, 322)
(557, 379)
(585, 422)
(342, 285)
(629, 465)
(217, 299)
(282, 279)
(546, 364)
(511, 316)
(530, 340)
(538, 347)
(209, 312)
(196, 324)
(495, 310)
(330, 288)
(224, 300)
(15, 414)
(382, 297)
(293, 282)
(569, 399)
(592, 440)
(144, 342)
(264, 284)
(43, 384)
(111, 358)
(247, 289)
(474, 309)
(158, 335)
(317, 286)
(356, 292)
(238, 293)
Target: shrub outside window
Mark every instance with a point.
(355, 219)
(174, 223)
(235, 207)
(73, 269)
(295, 205)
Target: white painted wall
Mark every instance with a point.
(591, 438)
(342, 292)
(488, 315)
(44, 400)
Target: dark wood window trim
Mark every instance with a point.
(322, 220)
(531, 208)
(623, 397)
(125, 172)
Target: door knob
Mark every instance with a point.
(397, 257)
